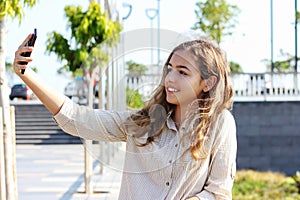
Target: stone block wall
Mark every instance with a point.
(268, 136)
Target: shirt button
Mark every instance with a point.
(167, 183)
(176, 145)
(170, 161)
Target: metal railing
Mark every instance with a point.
(266, 86)
(145, 84)
(247, 86)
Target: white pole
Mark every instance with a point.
(2, 163)
(88, 167)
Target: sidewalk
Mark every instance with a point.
(55, 172)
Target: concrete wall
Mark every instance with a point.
(268, 136)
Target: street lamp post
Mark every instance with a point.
(272, 47)
(296, 50)
(125, 17)
(296, 38)
(151, 14)
(129, 6)
(122, 91)
(158, 32)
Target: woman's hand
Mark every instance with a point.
(52, 99)
(20, 58)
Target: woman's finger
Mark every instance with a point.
(23, 49)
(26, 40)
(20, 62)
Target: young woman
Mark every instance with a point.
(181, 145)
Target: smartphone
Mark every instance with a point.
(29, 43)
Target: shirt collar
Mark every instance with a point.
(172, 126)
(170, 122)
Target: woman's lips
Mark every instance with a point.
(172, 90)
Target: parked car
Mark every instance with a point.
(70, 90)
(76, 89)
(20, 91)
(96, 89)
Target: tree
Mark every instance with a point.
(134, 99)
(136, 68)
(235, 67)
(90, 31)
(286, 64)
(215, 18)
(12, 9)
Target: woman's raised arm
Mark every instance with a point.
(52, 99)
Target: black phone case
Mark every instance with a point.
(27, 54)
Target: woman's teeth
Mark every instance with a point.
(172, 90)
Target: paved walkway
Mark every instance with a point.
(51, 172)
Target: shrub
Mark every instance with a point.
(133, 98)
(254, 185)
(296, 178)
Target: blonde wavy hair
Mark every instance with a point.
(211, 61)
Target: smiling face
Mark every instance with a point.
(183, 83)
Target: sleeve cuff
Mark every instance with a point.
(65, 113)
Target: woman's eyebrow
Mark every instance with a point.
(183, 67)
(180, 66)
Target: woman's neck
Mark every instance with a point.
(179, 115)
(181, 112)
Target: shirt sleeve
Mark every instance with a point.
(91, 124)
(222, 166)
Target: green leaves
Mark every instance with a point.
(90, 29)
(57, 44)
(296, 178)
(14, 8)
(134, 99)
(285, 64)
(136, 68)
(235, 67)
(215, 18)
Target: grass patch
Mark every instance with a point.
(254, 185)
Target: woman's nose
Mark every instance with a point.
(171, 76)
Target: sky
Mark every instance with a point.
(248, 46)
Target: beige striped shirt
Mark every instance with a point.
(161, 170)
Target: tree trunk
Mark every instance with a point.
(88, 159)
(91, 88)
(14, 156)
(2, 163)
(4, 102)
(88, 167)
(101, 106)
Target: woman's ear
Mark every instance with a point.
(210, 83)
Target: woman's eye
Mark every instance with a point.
(183, 73)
